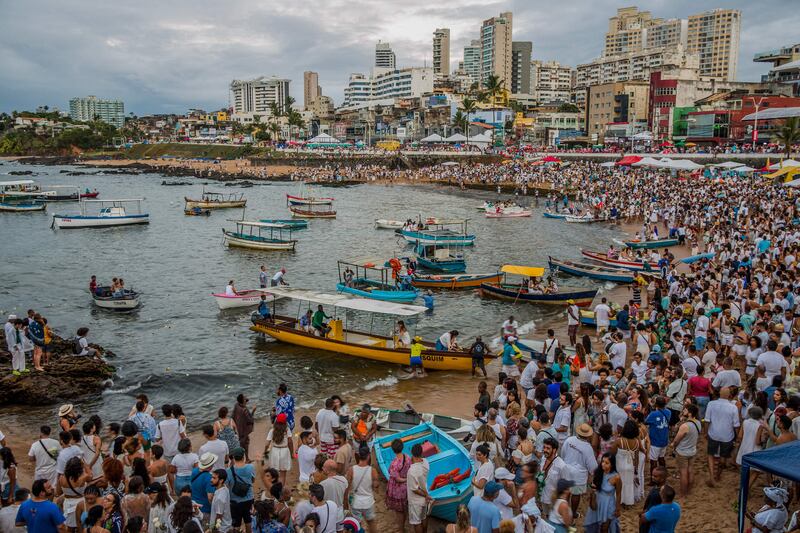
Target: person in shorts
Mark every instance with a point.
(478, 351)
(722, 417)
(417, 487)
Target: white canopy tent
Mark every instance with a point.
(682, 164)
(484, 139)
(608, 164)
(323, 138)
(455, 138)
(433, 138)
(643, 136)
(785, 163)
(728, 164)
(649, 162)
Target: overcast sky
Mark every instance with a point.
(168, 56)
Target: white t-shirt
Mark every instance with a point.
(169, 431)
(639, 370)
(773, 363)
(573, 315)
(305, 460)
(485, 471)
(510, 328)
(563, 418)
(328, 514)
(601, 315)
(65, 455)
(43, 451)
(723, 419)
(690, 365)
(218, 447)
(701, 327)
(327, 421)
(727, 378)
(619, 351)
(579, 455)
(184, 463)
(221, 505)
(229, 290)
(416, 479)
(502, 503)
(8, 519)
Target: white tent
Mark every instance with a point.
(649, 162)
(728, 164)
(608, 164)
(455, 138)
(785, 163)
(434, 138)
(794, 183)
(744, 169)
(482, 140)
(643, 136)
(682, 164)
(324, 138)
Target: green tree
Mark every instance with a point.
(275, 130)
(459, 120)
(469, 106)
(788, 135)
(494, 87)
(295, 120)
(568, 108)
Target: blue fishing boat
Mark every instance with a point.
(586, 270)
(22, 207)
(587, 319)
(660, 243)
(695, 258)
(450, 475)
(290, 222)
(441, 258)
(560, 216)
(520, 292)
(437, 231)
(375, 282)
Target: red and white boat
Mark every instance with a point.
(601, 257)
(307, 200)
(93, 194)
(246, 298)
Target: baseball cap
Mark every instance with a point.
(491, 488)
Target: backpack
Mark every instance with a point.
(77, 349)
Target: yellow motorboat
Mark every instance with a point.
(354, 343)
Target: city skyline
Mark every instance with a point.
(170, 58)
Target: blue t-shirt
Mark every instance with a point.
(428, 301)
(485, 516)
(508, 355)
(664, 517)
(623, 318)
(245, 474)
(658, 424)
(201, 488)
(554, 390)
(40, 517)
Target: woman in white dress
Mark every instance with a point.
(279, 447)
(750, 433)
(627, 451)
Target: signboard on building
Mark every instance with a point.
(401, 133)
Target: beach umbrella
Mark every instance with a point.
(551, 159)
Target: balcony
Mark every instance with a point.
(773, 55)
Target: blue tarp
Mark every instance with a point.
(779, 460)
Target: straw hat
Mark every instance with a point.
(207, 460)
(65, 409)
(585, 431)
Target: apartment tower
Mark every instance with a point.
(521, 67)
(311, 88)
(496, 48)
(384, 56)
(714, 35)
(441, 52)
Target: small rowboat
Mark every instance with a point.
(310, 213)
(288, 222)
(454, 281)
(310, 200)
(560, 216)
(601, 257)
(587, 319)
(586, 270)
(375, 290)
(508, 214)
(22, 207)
(661, 243)
(104, 298)
(383, 223)
(247, 298)
(695, 258)
(392, 421)
(216, 200)
(586, 219)
(94, 194)
(583, 298)
(449, 480)
(197, 212)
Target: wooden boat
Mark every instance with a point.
(111, 213)
(586, 270)
(61, 193)
(437, 232)
(392, 421)
(246, 298)
(537, 347)
(440, 258)
(22, 206)
(21, 190)
(216, 200)
(309, 200)
(375, 282)
(508, 213)
(90, 195)
(351, 342)
(695, 258)
(453, 281)
(560, 216)
(105, 298)
(311, 213)
(585, 219)
(519, 293)
(197, 212)
(601, 257)
(660, 243)
(383, 223)
(447, 458)
(587, 319)
(288, 222)
(252, 235)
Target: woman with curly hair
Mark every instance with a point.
(182, 512)
(114, 520)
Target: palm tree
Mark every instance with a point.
(459, 119)
(288, 105)
(469, 106)
(789, 134)
(494, 86)
(295, 119)
(275, 110)
(275, 129)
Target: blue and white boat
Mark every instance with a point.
(592, 271)
(22, 206)
(292, 223)
(449, 462)
(695, 258)
(369, 280)
(437, 232)
(560, 216)
(109, 213)
(441, 258)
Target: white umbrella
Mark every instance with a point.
(434, 138)
(649, 162)
(783, 164)
(794, 183)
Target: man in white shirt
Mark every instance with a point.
(553, 467)
(700, 329)
(326, 510)
(214, 445)
(728, 376)
(602, 316)
(45, 454)
(169, 433)
(70, 448)
(579, 456)
(722, 417)
(8, 514)
(617, 415)
(618, 351)
(573, 321)
(327, 420)
(220, 517)
(417, 488)
(277, 279)
(551, 345)
(509, 328)
(774, 363)
(563, 418)
(305, 457)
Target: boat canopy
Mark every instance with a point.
(381, 307)
(113, 201)
(259, 224)
(447, 221)
(16, 182)
(307, 295)
(532, 272)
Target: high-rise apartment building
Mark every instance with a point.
(616, 103)
(384, 56)
(254, 97)
(521, 67)
(714, 35)
(550, 81)
(441, 51)
(625, 31)
(672, 32)
(311, 88)
(472, 61)
(633, 65)
(496, 48)
(386, 84)
(91, 108)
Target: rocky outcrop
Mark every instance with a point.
(66, 377)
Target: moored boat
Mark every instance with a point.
(695, 258)
(510, 213)
(441, 257)
(392, 421)
(259, 236)
(660, 243)
(61, 193)
(90, 195)
(21, 190)
(307, 200)
(110, 213)
(107, 299)
(584, 219)
(587, 319)
(383, 223)
(246, 298)
(216, 200)
(449, 481)
(560, 216)
(312, 213)
(22, 206)
(519, 292)
(197, 212)
(603, 258)
(453, 281)
(438, 232)
(375, 282)
(289, 222)
(586, 270)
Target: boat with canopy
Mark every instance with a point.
(523, 292)
(438, 231)
(21, 190)
(123, 212)
(216, 200)
(349, 341)
(256, 235)
(369, 280)
(586, 270)
(61, 193)
(441, 257)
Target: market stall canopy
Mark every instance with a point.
(485, 137)
(456, 138)
(628, 160)
(785, 163)
(324, 138)
(551, 159)
(608, 164)
(531, 272)
(728, 164)
(648, 162)
(434, 138)
(449, 163)
(778, 460)
(682, 164)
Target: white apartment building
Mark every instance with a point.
(254, 97)
(632, 66)
(87, 109)
(496, 48)
(472, 61)
(550, 81)
(386, 84)
(384, 56)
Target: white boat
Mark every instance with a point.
(508, 213)
(216, 200)
(110, 213)
(246, 298)
(383, 223)
(103, 297)
(583, 219)
(392, 421)
(21, 190)
(22, 206)
(253, 235)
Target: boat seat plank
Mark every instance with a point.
(451, 452)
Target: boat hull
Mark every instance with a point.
(22, 207)
(649, 245)
(307, 213)
(518, 214)
(198, 213)
(453, 266)
(554, 215)
(586, 271)
(423, 237)
(243, 299)
(583, 220)
(293, 224)
(375, 349)
(71, 222)
(120, 304)
(299, 200)
(512, 292)
(389, 224)
(270, 244)
(587, 319)
(467, 281)
(600, 257)
(393, 421)
(377, 294)
(204, 204)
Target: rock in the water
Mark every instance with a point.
(66, 377)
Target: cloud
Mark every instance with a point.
(169, 56)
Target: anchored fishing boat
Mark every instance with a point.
(509, 213)
(376, 282)
(310, 212)
(109, 213)
(197, 212)
(583, 219)
(521, 292)
(660, 243)
(121, 301)
(259, 236)
(22, 206)
(449, 480)
(246, 298)
(21, 190)
(383, 223)
(392, 421)
(61, 193)
(90, 194)
(300, 200)
(216, 200)
(453, 281)
(352, 342)
(441, 257)
(602, 257)
(560, 216)
(437, 231)
(288, 222)
(586, 270)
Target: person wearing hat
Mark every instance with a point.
(202, 489)
(484, 514)
(507, 500)
(773, 514)
(416, 356)
(67, 418)
(578, 454)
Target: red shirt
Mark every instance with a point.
(699, 386)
